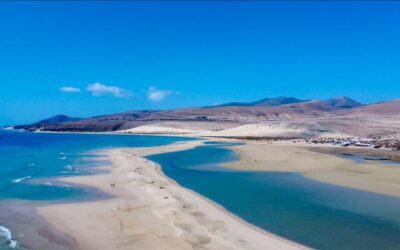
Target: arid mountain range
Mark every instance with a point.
(340, 115)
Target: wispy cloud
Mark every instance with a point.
(70, 90)
(156, 95)
(98, 89)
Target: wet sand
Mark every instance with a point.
(33, 231)
(322, 163)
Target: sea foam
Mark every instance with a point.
(20, 179)
(6, 238)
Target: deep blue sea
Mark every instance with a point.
(30, 161)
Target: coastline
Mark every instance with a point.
(188, 226)
(150, 211)
(33, 231)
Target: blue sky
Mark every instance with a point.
(90, 58)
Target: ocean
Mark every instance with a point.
(31, 161)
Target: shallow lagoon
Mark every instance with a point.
(315, 214)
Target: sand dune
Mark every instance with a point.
(156, 129)
(277, 129)
(262, 130)
(256, 130)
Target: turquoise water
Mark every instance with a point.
(30, 161)
(368, 158)
(315, 214)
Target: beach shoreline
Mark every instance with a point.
(29, 230)
(150, 211)
(322, 163)
(308, 157)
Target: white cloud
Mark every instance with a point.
(98, 89)
(156, 95)
(70, 90)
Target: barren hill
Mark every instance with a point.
(340, 115)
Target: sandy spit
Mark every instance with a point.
(150, 211)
